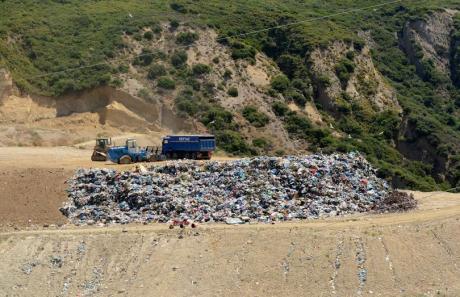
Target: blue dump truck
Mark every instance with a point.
(196, 147)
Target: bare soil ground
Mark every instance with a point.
(408, 254)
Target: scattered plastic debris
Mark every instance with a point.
(264, 189)
(27, 268)
(56, 261)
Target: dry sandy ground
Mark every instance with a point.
(409, 254)
(69, 158)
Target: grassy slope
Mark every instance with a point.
(54, 35)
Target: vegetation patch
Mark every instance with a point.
(167, 83)
(186, 38)
(233, 92)
(156, 71)
(255, 117)
(201, 69)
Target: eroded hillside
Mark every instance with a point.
(384, 81)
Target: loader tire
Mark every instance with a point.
(125, 160)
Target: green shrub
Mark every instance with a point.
(233, 142)
(297, 97)
(166, 83)
(350, 126)
(280, 83)
(242, 51)
(148, 35)
(116, 82)
(217, 118)
(145, 58)
(185, 102)
(209, 89)
(123, 68)
(179, 58)
(344, 69)
(233, 92)
(280, 108)
(194, 83)
(297, 125)
(174, 24)
(186, 38)
(228, 74)
(156, 28)
(323, 81)
(289, 64)
(201, 69)
(178, 7)
(255, 117)
(262, 143)
(156, 71)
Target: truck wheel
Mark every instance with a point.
(125, 160)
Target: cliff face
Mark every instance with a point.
(428, 42)
(363, 83)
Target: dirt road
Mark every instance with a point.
(409, 254)
(69, 158)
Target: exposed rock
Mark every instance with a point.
(366, 85)
(429, 39)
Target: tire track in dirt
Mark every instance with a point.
(285, 264)
(360, 260)
(336, 264)
(389, 261)
(76, 258)
(445, 246)
(240, 256)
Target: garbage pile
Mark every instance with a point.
(263, 189)
(396, 201)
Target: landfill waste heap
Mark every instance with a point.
(263, 189)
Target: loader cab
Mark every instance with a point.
(131, 144)
(103, 142)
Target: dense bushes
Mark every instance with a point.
(148, 35)
(280, 83)
(166, 83)
(231, 141)
(179, 58)
(255, 117)
(280, 108)
(156, 71)
(242, 51)
(178, 7)
(186, 38)
(201, 69)
(145, 58)
(344, 69)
